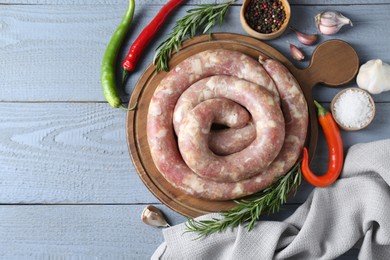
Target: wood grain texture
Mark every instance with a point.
(85, 232)
(56, 50)
(66, 153)
(78, 232)
(106, 2)
(188, 2)
(77, 153)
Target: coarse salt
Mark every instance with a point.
(353, 109)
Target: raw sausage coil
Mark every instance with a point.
(287, 128)
(194, 130)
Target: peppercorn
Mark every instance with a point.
(265, 16)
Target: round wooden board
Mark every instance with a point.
(136, 120)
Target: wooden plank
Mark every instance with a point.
(70, 232)
(56, 51)
(85, 232)
(105, 2)
(77, 153)
(66, 153)
(188, 2)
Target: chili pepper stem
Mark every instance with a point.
(133, 107)
(129, 109)
(125, 76)
(320, 109)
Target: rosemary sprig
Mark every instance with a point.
(200, 19)
(248, 211)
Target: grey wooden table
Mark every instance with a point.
(68, 188)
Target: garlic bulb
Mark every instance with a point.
(374, 76)
(330, 22)
(152, 216)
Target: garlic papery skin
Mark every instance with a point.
(152, 216)
(330, 22)
(374, 76)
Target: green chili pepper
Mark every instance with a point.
(107, 73)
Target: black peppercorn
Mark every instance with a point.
(265, 16)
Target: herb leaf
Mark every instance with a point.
(248, 211)
(200, 19)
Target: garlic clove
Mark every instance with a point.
(152, 216)
(296, 53)
(330, 22)
(307, 39)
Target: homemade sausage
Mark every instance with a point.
(162, 139)
(194, 129)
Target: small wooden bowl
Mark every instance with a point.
(346, 128)
(265, 36)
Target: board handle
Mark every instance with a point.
(333, 63)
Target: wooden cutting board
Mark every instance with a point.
(333, 63)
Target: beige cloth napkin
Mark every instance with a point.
(355, 210)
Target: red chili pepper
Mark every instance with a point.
(335, 150)
(145, 37)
